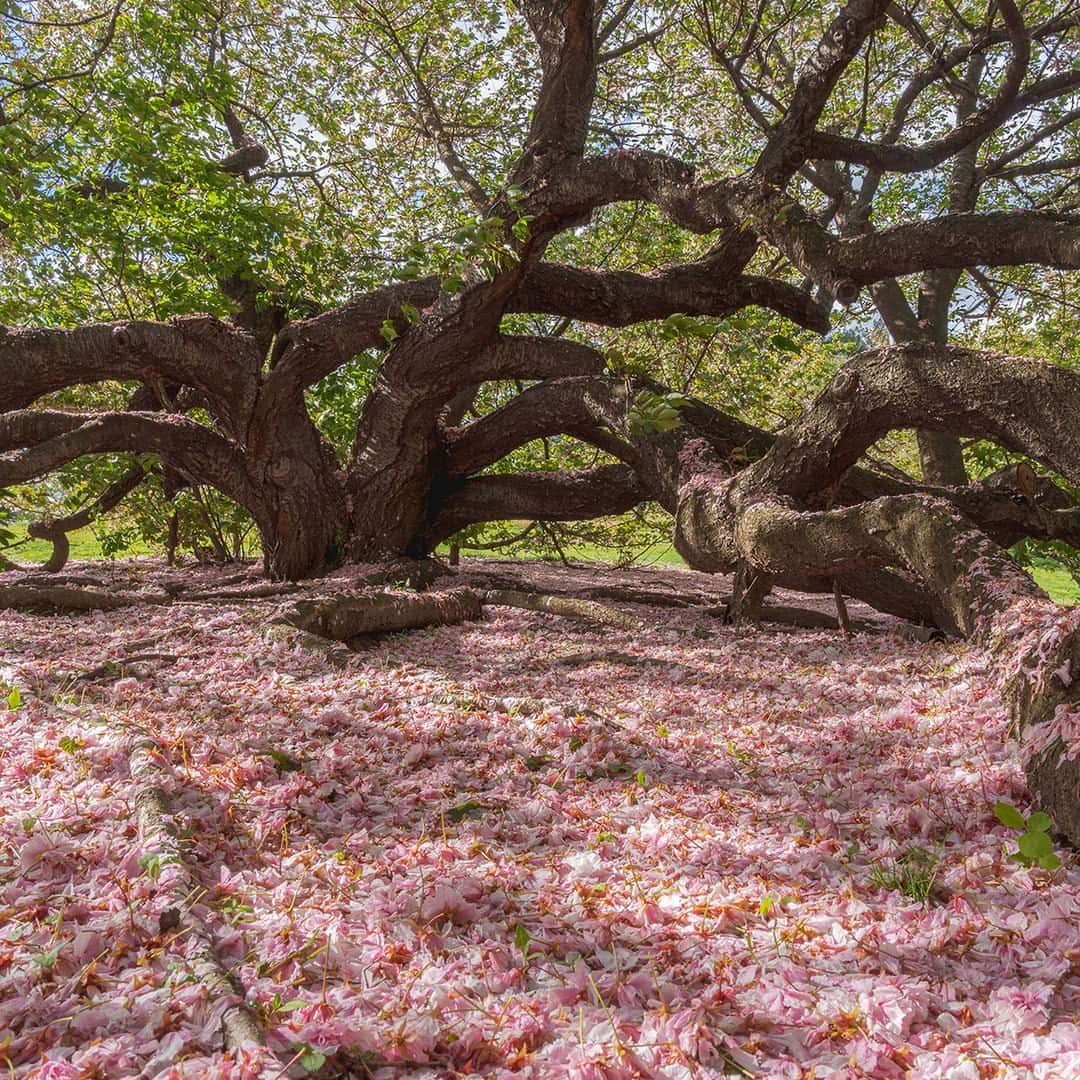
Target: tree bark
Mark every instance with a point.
(348, 615)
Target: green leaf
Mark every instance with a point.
(522, 939)
(1039, 822)
(291, 1006)
(536, 762)
(70, 745)
(1049, 862)
(412, 314)
(463, 810)
(14, 698)
(312, 1060)
(1033, 845)
(1008, 815)
(765, 906)
(784, 343)
(388, 331)
(284, 762)
(47, 960)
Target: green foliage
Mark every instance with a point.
(1054, 564)
(1034, 846)
(112, 206)
(652, 413)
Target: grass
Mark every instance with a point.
(84, 545)
(1059, 583)
(912, 875)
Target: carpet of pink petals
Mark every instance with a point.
(525, 846)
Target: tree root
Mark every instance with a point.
(588, 610)
(345, 616)
(158, 833)
(336, 653)
(66, 598)
(809, 619)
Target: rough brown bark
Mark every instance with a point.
(348, 615)
(65, 598)
(589, 610)
(761, 520)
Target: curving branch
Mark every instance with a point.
(1026, 406)
(760, 522)
(541, 496)
(196, 350)
(571, 406)
(791, 141)
(525, 357)
(898, 158)
(55, 530)
(709, 287)
(48, 439)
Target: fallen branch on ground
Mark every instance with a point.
(65, 598)
(348, 615)
(158, 833)
(589, 610)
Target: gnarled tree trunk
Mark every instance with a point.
(765, 518)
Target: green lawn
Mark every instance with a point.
(84, 545)
(1060, 584)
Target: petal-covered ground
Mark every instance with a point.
(524, 846)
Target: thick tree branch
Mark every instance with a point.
(566, 36)
(196, 350)
(1029, 407)
(544, 496)
(789, 145)
(573, 406)
(49, 439)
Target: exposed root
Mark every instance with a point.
(589, 610)
(158, 833)
(336, 653)
(348, 615)
(65, 598)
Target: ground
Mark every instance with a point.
(523, 846)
